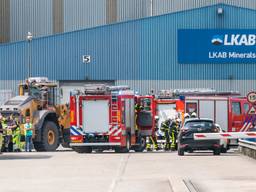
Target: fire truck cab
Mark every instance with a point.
(104, 117)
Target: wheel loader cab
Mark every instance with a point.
(41, 89)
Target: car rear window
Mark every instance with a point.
(199, 124)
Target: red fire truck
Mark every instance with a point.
(229, 112)
(228, 109)
(245, 129)
(104, 117)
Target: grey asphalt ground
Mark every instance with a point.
(68, 171)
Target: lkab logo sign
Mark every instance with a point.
(234, 40)
(217, 40)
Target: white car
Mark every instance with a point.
(223, 142)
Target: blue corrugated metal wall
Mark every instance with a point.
(30, 15)
(141, 49)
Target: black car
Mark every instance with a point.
(186, 140)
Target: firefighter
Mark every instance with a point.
(11, 126)
(165, 128)
(6, 134)
(152, 143)
(174, 132)
(16, 134)
(1, 134)
(152, 140)
(138, 108)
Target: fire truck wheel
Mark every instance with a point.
(142, 145)
(223, 149)
(50, 137)
(82, 149)
(216, 151)
(98, 150)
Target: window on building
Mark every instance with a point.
(236, 108)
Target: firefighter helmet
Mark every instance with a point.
(186, 116)
(193, 115)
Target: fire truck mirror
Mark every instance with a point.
(61, 92)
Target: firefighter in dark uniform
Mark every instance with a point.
(152, 140)
(1, 133)
(165, 128)
(7, 135)
(174, 132)
(16, 133)
(11, 127)
(138, 108)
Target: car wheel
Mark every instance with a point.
(216, 151)
(223, 149)
(180, 151)
(190, 151)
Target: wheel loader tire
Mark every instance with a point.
(50, 137)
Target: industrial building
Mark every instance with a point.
(146, 53)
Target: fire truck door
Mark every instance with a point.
(237, 116)
(129, 115)
(221, 114)
(145, 119)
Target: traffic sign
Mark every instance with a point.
(252, 111)
(251, 97)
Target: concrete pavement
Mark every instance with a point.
(133, 172)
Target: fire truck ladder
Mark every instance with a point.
(195, 92)
(114, 109)
(102, 89)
